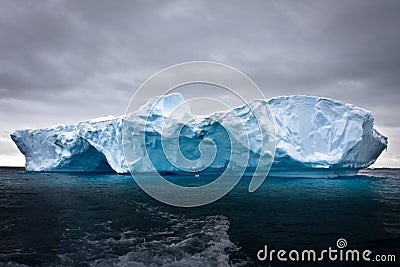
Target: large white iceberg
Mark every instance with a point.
(314, 136)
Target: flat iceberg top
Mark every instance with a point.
(312, 134)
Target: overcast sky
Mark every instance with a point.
(66, 61)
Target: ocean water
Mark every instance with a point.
(61, 219)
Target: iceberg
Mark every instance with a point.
(314, 136)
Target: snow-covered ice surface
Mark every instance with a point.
(314, 136)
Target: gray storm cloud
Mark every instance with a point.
(65, 61)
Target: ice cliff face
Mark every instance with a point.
(324, 133)
(89, 146)
(312, 134)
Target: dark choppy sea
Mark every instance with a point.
(56, 219)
